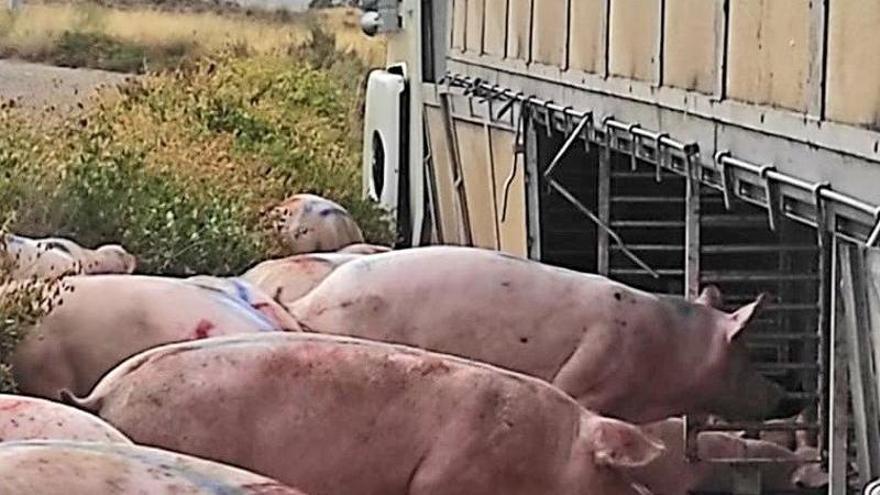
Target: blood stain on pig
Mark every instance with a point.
(618, 296)
(203, 329)
(11, 406)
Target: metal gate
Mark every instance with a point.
(745, 227)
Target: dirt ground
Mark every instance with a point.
(39, 87)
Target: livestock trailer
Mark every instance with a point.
(668, 144)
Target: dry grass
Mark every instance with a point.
(39, 26)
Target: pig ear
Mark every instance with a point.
(711, 296)
(740, 319)
(620, 444)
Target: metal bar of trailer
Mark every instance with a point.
(745, 425)
(602, 226)
(724, 159)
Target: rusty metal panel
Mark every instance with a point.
(690, 41)
(443, 168)
(510, 184)
(459, 24)
(473, 41)
(549, 32)
(769, 55)
(587, 44)
(635, 39)
(853, 71)
(478, 182)
(495, 27)
(519, 21)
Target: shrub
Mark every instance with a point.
(179, 166)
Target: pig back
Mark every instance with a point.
(107, 318)
(478, 304)
(325, 413)
(29, 418)
(55, 467)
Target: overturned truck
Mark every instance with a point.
(668, 144)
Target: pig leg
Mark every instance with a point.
(43, 371)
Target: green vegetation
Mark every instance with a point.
(180, 166)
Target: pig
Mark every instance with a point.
(104, 319)
(364, 249)
(307, 223)
(289, 279)
(618, 351)
(30, 418)
(672, 474)
(27, 259)
(325, 413)
(56, 257)
(106, 259)
(90, 468)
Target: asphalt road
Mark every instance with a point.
(38, 86)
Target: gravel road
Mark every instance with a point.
(39, 86)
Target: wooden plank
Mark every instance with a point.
(690, 44)
(495, 28)
(769, 58)
(431, 188)
(512, 228)
(635, 39)
(473, 41)
(853, 72)
(549, 32)
(476, 173)
(449, 217)
(588, 35)
(459, 24)
(455, 161)
(722, 22)
(519, 22)
(818, 53)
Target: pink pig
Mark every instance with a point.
(619, 351)
(86, 468)
(29, 418)
(336, 416)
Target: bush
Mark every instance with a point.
(100, 51)
(179, 167)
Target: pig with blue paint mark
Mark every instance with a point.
(104, 319)
(86, 468)
(307, 223)
(617, 350)
(340, 416)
